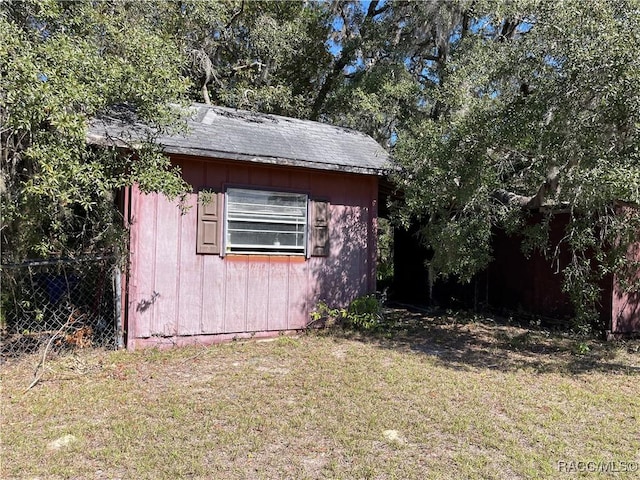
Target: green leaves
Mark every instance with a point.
(491, 109)
(545, 116)
(266, 56)
(62, 63)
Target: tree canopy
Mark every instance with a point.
(491, 109)
(60, 64)
(538, 107)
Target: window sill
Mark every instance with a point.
(262, 258)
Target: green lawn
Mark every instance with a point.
(440, 397)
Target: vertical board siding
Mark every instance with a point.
(190, 283)
(626, 305)
(167, 269)
(372, 235)
(240, 176)
(280, 179)
(278, 286)
(527, 282)
(298, 316)
(236, 301)
(143, 261)
(257, 294)
(187, 294)
(213, 295)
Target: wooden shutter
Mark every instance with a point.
(320, 228)
(209, 235)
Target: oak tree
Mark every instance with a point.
(60, 64)
(537, 106)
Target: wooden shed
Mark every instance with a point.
(532, 284)
(513, 282)
(282, 214)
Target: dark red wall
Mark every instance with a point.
(532, 284)
(626, 305)
(513, 282)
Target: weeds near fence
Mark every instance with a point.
(58, 304)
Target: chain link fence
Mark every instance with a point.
(61, 303)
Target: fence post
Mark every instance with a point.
(117, 296)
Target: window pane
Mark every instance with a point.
(259, 221)
(266, 239)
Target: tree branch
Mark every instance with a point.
(346, 56)
(372, 11)
(509, 198)
(39, 370)
(508, 30)
(257, 63)
(550, 187)
(235, 15)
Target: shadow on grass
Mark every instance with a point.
(465, 341)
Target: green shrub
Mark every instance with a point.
(363, 313)
(326, 316)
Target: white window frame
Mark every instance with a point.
(235, 215)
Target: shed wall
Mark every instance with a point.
(529, 283)
(174, 292)
(625, 312)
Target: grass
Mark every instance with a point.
(432, 397)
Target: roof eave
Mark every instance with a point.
(115, 141)
(282, 161)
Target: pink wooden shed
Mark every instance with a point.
(283, 214)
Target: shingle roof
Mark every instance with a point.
(220, 132)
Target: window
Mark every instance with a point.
(259, 221)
